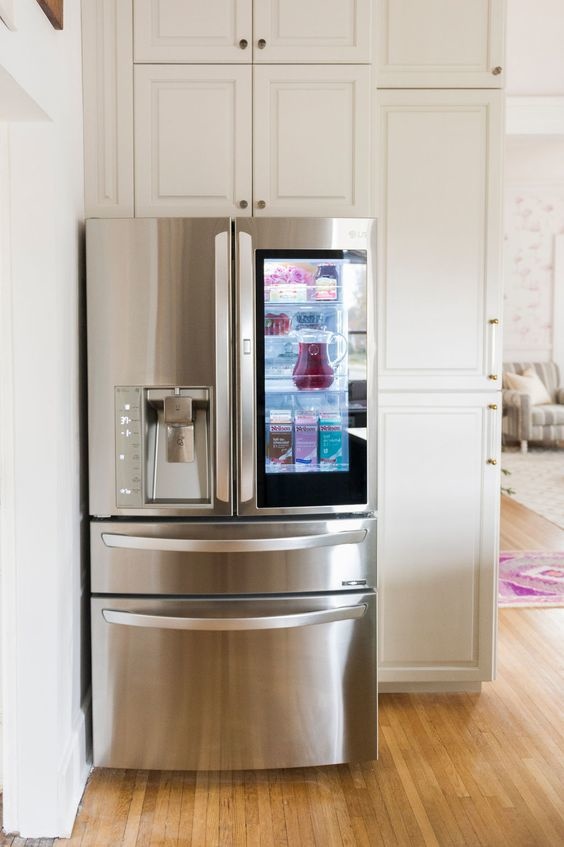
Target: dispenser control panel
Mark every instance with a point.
(129, 449)
(163, 443)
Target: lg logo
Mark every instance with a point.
(353, 233)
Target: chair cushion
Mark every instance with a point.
(548, 373)
(529, 383)
(547, 415)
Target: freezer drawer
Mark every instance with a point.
(234, 683)
(228, 557)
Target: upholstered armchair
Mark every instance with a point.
(529, 413)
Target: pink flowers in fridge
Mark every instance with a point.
(286, 283)
(280, 274)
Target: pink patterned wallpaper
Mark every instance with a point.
(532, 219)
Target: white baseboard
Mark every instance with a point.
(77, 764)
(429, 687)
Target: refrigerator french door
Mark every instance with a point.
(306, 342)
(233, 532)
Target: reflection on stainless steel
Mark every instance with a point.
(249, 698)
(223, 366)
(152, 321)
(190, 559)
(225, 623)
(246, 381)
(238, 545)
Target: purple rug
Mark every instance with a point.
(531, 578)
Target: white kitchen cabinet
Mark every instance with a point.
(193, 31)
(245, 31)
(107, 56)
(311, 140)
(438, 530)
(334, 31)
(439, 215)
(192, 140)
(440, 43)
(193, 144)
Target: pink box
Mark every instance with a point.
(305, 440)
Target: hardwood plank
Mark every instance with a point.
(226, 808)
(135, 809)
(523, 529)
(187, 809)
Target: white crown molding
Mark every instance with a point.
(534, 116)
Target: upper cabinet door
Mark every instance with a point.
(440, 43)
(107, 80)
(192, 140)
(193, 31)
(311, 140)
(439, 246)
(312, 31)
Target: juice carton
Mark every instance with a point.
(280, 447)
(305, 439)
(330, 438)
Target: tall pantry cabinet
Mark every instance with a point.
(439, 130)
(387, 108)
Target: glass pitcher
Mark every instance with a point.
(314, 369)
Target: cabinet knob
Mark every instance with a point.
(492, 376)
(492, 461)
(243, 44)
(261, 204)
(243, 204)
(494, 321)
(261, 43)
(497, 70)
(492, 406)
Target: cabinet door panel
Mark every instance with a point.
(192, 140)
(438, 529)
(107, 57)
(312, 30)
(440, 238)
(192, 31)
(440, 43)
(311, 134)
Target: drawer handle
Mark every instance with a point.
(232, 545)
(299, 619)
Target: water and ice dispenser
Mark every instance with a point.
(163, 438)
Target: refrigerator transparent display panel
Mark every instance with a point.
(311, 377)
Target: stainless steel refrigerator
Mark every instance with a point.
(232, 451)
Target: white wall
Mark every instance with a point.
(534, 47)
(534, 187)
(533, 276)
(45, 691)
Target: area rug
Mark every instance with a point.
(537, 480)
(531, 578)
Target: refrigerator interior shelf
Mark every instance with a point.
(284, 385)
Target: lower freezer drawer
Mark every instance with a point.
(234, 684)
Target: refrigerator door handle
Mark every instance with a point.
(219, 624)
(246, 316)
(232, 545)
(222, 369)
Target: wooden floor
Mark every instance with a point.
(522, 529)
(454, 769)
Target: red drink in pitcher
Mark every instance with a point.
(314, 370)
